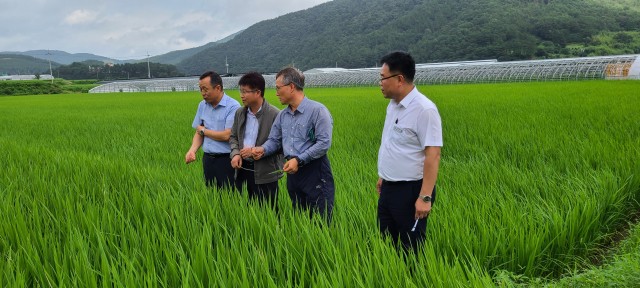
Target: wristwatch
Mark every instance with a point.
(300, 162)
(201, 132)
(425, 198)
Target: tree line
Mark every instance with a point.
(107, 71)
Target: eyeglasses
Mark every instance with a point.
(248, 91)
(206, 90)
(278, 87)
(385, 78)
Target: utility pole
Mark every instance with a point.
(226, 64)
(50, 70)
(148, 67)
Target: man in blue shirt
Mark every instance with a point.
(302, 131)
(213, 122)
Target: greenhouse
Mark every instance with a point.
(484, 71)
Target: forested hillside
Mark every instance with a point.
(174, 57)
(355, 33)
(13, 64)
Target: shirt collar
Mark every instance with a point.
(223, 102)
(409, 98)
(301, 107)
(258, 112)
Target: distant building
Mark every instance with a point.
(26, 77)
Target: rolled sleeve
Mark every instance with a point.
(323, 126)
(197, 120)
(429, 128)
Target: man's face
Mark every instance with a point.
(389, 82)
(283, 92)
(209, 94)
(249, 96)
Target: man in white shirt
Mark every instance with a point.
(409, 154)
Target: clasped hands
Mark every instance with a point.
(257, 153)
(246, 153)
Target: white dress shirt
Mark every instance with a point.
(250, 129)
(409, 127)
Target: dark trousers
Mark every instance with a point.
(396, 213)
(266, 193)
(312, 188)
(217, 170)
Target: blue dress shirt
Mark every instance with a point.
(217, 118)
(305, 133)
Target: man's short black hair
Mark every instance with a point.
(215, 79)
(400, 62)
(253, 80)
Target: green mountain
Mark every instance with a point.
(175, 57)
(355, 33)
(62, 57)
(12, 64)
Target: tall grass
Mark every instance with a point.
(94, 192)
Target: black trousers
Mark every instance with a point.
(396, 213)
(266, 193)
(312, 188)
(217, 170)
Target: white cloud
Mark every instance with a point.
(129, 29)
(80, 16)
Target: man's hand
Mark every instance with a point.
(200, 128)
(291, 166)
(257, 152)
(190, 157)
(378, 185)
(236, 162)
(422, 209)
(246, 153)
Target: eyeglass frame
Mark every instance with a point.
(206, 90)
(248, 91)
(385, 78)
(278, 87)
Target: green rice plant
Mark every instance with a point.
(534, 180)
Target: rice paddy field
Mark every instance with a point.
(539, 185)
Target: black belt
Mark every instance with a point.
(216, 155)
(399, 182)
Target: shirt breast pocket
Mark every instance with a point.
(301, 131)
(220, 121)
(403, 136)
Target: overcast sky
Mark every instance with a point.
(129, 29)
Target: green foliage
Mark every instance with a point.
(356, 33)
(622, 269)
(11, 64)
(606, 43)
(29, 87)
(37, 87)
(85, 81)
(534, 178)
(101, 71)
